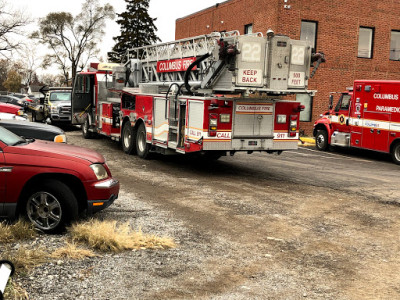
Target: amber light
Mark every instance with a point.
(60, 138)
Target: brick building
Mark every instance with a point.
(360, 38)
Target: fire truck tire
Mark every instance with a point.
(396, 153)
(128, 139)
(85, 130)
(321, 140)
(142, 148)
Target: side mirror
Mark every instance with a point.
(330, 101)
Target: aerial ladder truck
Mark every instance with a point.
(209, 95)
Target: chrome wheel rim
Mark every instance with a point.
(142, 141)
(44, 210)
(397, 153)
(320, 140)
(127, 137)
(85, 127)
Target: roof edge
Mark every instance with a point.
(199, 11)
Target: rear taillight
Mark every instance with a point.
(213, 123)
(293, 125)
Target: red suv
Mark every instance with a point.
(51, 183)
(11, 109)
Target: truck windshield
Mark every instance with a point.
(60, 96)
(344, 102)
(9, 138)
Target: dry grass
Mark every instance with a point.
(15, 291)
(20, 230)
(73, 252)
(25, 259)
(107, 236)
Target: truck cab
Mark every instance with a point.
(335, 120)
(55, 107)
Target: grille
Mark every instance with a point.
(65, 109)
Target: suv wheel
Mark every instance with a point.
(51, 206)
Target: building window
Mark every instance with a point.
(395, 45)
(365, 42)
(307, 101)
(309, 33)
(248, 29)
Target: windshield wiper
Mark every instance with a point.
(19, 142)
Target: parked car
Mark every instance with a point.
(14, 100)
(32, 130)
(21, 96)
(12, 109)
(51, 183)
(8, 116)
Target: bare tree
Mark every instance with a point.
(11, 23)
(52, 79)
(73, 40)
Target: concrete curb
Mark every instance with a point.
(308, 141)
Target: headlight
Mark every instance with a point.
(20, 113)
(54, 109)
(99, 171)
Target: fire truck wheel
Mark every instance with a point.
(128, 139)
(142, 147)
(321, 140)
(396, 153)
(85, 130)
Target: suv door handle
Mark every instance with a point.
(6, 169)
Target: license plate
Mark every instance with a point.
(252, 143)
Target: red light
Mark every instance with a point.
(292, 133)
(213, 116)
(293, 117)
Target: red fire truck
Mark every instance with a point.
(366, 116)
(212, 95)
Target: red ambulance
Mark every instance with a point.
(366, 116)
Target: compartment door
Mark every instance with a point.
(195, 120)
(253, 120)
(160, 129)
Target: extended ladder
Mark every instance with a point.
(146, 60)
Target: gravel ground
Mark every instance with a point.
(247, 227)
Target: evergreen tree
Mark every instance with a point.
(137, 29)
